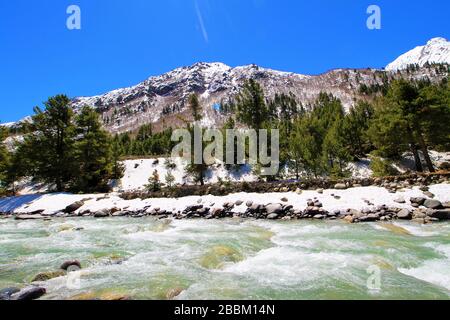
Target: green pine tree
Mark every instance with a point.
(92, 153)
(5, 161)
(251, 107)
(154, 183)
(49, 150)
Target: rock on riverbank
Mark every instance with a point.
(356, 204)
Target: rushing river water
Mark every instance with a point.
(230, 259)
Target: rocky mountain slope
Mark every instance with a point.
(437, 50)
(162, 100)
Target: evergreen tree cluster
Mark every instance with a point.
(71, 152)
(144, 143)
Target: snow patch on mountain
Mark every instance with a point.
(437, 50)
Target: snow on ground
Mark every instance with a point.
(137, 173)
(350, 198)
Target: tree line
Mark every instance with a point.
(68, 151)
(73, 152)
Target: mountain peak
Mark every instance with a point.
(437, 50)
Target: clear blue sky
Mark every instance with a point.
(124, 42)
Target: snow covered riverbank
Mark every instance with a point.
(319, 202)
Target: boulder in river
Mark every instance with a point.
(45, 276)
(102, 213)
(443, 214)
(29, 293)
(70, 263)
(272, 216)
(5, 294)
(29, 217)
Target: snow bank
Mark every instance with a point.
(351, 198)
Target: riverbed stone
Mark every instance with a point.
(404, 214)
(340, 186)
(417, 200)
(45, 276)
(442, 214)
(70, 263)
(272, 216)
(274, 208)
(432, 204)
(5, 294)
(73, 207)
(102, 213)
(29, 293)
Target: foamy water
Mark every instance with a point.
(229, 259)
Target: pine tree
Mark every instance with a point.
(4, 162)
(411, 117)
(170, 179)
(251, 106)
(196, 170)
(49, 149)
(92, 153)
(194, 106)
(154, 183)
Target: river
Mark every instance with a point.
(227, 259)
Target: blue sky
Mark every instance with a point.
(124, 42)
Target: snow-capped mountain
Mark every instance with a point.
(162, 100)
(437, 50)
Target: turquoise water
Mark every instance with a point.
(229, 259)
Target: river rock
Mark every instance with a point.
(67, 264)
(446, 205)
(173, 293)
(272, 216)
(29, 217)
(418, 200)
(73, 207)
(239, 202)
(404, 214)
(29, 293)
(349, 219)
(370, 217)
(340, 186)
(249, 203)
(5, 294)
(284, 199)
(102, 213)
(274, 208)
(443, 214)
(45, 276)
(432, 204)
